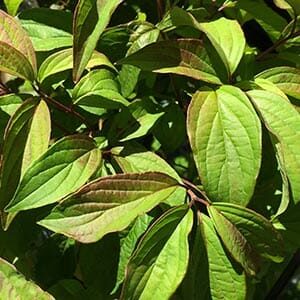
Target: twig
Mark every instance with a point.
(285, 277)
(160, 9)
(62, 107)
(277, 44)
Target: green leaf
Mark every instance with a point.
(15, 139)
(36, 135)
(10, 103)
(12, 6)
(275, 111)
(226, 280)
(135, 121)
(237, 245)
(90, 19)
(255, 228)
(225, 136)
(45, 37)
(98, 90)
(272, 22)
(128, 243)
(17, 55)
(109, 204)
(15, 286)
(159, 264)
(63, 60)
(183, 57)
(135, 159)
(228, 39)
(144, 35)
(293, 5)
(39, 135)
(285, 78)
(64, 168)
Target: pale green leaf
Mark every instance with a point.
(98, 90)
(228, 39)
(15, 139)
(183, 57)
(90, 19)
(226, 280)
(63, 60)
(17, 55)
(15, 286)
(225, 136)
(10, 103)
(109, 204)
(45, 37)
(237, 245)
(283, 121)
(159, 264)
(255, 228)
(12, 6)
(64, 168)
(286, 79)
(39, 135)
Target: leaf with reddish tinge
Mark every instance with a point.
(286, 79)
(17, 55)
(235, 242)
(183, 57)
(109, 204)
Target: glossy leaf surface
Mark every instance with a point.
(275, 111)
(64, 168)
(183, 57)
(160, 261)
(109, 204)
(225, 137)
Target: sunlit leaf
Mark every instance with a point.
(285, 78)
(159, 264)
(63, 60)
(12, 6)
(226, 280)
(64, 168)
(184, 57)
(90, 19)
(15, 286)
(225, 136)
(109, 204)
(17, 55)
(275, 111)
(98, 90)
(228, 39)
(254, 227)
